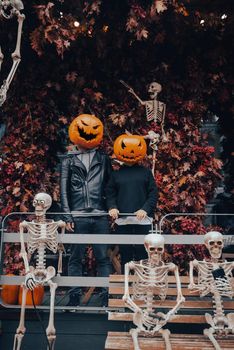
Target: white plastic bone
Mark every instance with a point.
(9, 9)
(42, 235)
(151, 275)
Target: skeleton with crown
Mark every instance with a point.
(151, 283)
(214, 277)
(42, 235)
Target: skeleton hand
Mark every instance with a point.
(30, 281)
(114, 213)
(131, 91)
(70, 226)
(192, 286)
(141, 214)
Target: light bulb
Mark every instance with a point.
(76, 24)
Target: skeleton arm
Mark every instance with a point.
(126, 296)
(23, 252)
(162, 124)
(180, 299)
(132, 92)
(192, 264)
(137, 97)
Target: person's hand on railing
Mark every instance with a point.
(141, 214)
(70, 226)
(114, 213)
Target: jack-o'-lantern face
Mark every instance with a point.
(86, 131)
(130, 149)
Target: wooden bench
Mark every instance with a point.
(191, 315)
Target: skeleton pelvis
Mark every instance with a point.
(43, 275)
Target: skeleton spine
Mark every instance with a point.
(41, 259)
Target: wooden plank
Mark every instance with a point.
(188, 304)
(171, 279)
(171, 291)
(123, 341)
(128, 316)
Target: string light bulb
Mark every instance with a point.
(76, 24)
(105, 28)
(202, 22)
(224, 16)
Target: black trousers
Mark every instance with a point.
(132, 252)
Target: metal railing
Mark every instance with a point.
(110, 239)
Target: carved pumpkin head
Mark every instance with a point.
(86, 131)
(130, 149)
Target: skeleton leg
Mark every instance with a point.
(16, 60)
(209, 333)
(16, 54)
(134, 333)
(21, 329)
(50, 330)
(166, 334)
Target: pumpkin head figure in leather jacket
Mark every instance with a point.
(84, 174)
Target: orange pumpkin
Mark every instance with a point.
(10, 293)
(130, 149)
(86, 131)
(38, 294)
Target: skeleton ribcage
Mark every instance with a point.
(208, 284)
(154, 111)
(150, 281)
(42, 233)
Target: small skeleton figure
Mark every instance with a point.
(155, 109)
(9, 9)
(42, 235)
(150, 284)
(214, 277)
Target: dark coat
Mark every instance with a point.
(82, 190)
(132, 188)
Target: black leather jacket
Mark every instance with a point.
(80, 189)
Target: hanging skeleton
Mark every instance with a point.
(42, 235)
(214, 277)
(155, 109)
(151, 282)
(9, 9)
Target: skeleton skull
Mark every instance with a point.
(42, 202)
(154, 89)
(154, 245)
(214, 243)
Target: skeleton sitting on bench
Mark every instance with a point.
(214, 277)
(151, 280)
(42, 235)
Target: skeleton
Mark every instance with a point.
(151, 280)
(42, 235)
(9, 9)
(155, 109)
(215, 277)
